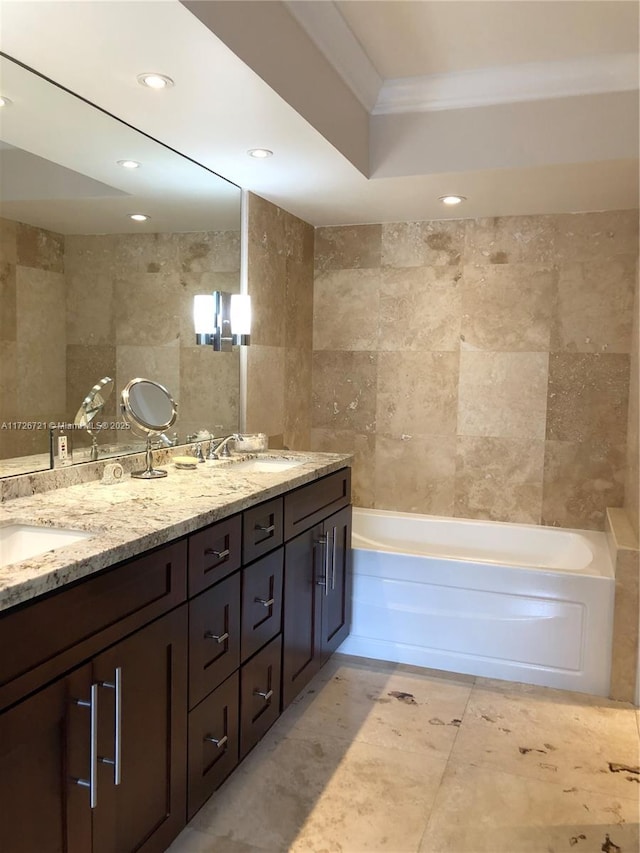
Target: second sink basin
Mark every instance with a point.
(23, 541)
(269, 465)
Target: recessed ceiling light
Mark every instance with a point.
(129, 164)
(4, 102)
(155, 81)
(139, 217)
(260, 153)
(452, 199)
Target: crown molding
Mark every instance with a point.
(531, 81)
(331, 34)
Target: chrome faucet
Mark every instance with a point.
(221, 449)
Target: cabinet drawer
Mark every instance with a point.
(214, 553)
(308, 505)
(214, 637)
(259, 695)
(261, 602)
(211, 757)
(261, 529)
(55, 633)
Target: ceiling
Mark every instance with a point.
(373, 109)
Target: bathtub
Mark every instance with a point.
(513, 601)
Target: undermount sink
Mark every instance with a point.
(269, 465)
(23, 541)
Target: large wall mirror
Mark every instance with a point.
(85, 291)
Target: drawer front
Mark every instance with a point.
(261, 602)
(214, 553)
(57, 632)
(308, 505)
(261, 529)
(211, 757)
(214, 637)
(259, 695)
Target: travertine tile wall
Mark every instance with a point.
(76, 308)
(280, 282)
(478, 368)
(130, 313)
(632, 486)
(32, 335)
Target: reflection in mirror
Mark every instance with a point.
(149, 408)
(91, 407)
(85, 291)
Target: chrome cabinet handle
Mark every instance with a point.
(219, 742)
(322, 540)
(266, 696)
(116, 685)
(264, 529)
(265, 602)
(333, 560)
(219, 638)
(218, 554)
(92, 782)
(327, 560)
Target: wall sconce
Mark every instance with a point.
(222, 320)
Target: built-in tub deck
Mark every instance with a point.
(513, 601)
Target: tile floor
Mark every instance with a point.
(375, 756)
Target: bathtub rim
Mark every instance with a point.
(601, 565)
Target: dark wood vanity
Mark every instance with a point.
(128, 697)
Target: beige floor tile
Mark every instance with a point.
(478, 810)
(194, 841)
(394, 708)
(567, 738)
(324, 795)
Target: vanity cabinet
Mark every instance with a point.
(128, 697)
(97, 760)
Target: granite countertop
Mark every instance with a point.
(132, 516)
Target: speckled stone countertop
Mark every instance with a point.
(132, 516)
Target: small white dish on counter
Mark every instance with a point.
(185, 462)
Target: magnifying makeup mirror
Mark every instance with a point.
(150, 410)
(91, 407)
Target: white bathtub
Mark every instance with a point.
(513, 601)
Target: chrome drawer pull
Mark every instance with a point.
(92, 782)
(266, 696)
(265, 602)
(219, 554)
(219, 638)
(117, 761)
(264, 529)
(219, 742)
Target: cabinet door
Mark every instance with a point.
(214, 637)
(44, 748)
(336, 594)
(147, 809)
(303, 575)
(213, 741)
(259, 694)
(261, 602)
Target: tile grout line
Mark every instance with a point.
(446, 766)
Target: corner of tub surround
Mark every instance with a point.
(619, 531)
(625, 556)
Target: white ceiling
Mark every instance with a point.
(284, 76)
